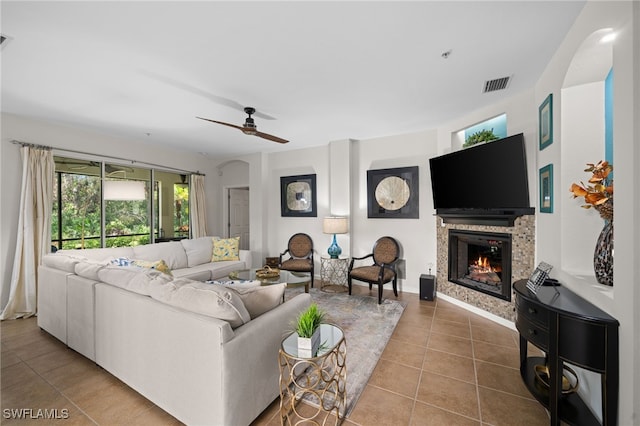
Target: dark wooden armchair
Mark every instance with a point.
(386, 252)
(300, 251)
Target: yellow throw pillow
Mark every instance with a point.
(226, 249)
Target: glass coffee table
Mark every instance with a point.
(292, 279)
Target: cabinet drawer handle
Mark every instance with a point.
(532, 311)
(532, 332)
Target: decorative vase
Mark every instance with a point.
(603, 255)
(308, 346)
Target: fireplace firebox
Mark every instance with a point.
(481, 261)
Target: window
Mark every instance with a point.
(122, 208)
(493, 128)
(127, 206)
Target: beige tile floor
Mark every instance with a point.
(442, 366)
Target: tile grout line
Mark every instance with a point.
(475, 372)
(424, 356)
(55, 388)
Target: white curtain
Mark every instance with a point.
(198, 205)
(34, 231)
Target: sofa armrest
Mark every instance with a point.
(254, 352)
(245, 256)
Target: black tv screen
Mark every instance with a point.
(491, 176)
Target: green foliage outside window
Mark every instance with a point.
(480, 136)
(76, 220)
(181, 216)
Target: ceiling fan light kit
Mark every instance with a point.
(249, 127)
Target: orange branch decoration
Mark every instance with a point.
(598, 192)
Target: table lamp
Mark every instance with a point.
(335, 225)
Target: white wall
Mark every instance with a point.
(57, 136)
(280, 229)
(417, 237)
(554, 241)
(581, 142)
(341, 170)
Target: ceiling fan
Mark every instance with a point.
(249, 127)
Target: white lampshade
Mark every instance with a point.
(335, 225)
(124, 190)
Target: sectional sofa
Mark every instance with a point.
(205, 353)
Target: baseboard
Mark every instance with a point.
(478, 311)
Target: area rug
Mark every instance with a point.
(367, 327)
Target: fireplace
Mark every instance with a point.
(481, 261)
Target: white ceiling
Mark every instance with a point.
(324, 70)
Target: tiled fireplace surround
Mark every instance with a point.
(522, 264)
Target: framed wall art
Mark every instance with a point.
(545, 122)
(546, 189)
(298, 196)
(393, 193)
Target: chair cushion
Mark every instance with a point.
(370, 274)
(226, 249)
(303, 265)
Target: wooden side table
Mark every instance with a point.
(272, 261)
(320, 381)
(333, 273)
(568, 329)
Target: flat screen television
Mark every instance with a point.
(487, 179)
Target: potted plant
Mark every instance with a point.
(480, 136)
(307, 326)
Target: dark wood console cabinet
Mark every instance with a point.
(567, 328)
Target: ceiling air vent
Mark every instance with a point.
(496, 84)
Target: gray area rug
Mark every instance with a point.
(367, 327)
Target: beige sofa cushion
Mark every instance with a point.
(62, 262)
(206, 299)
(99, 253)
(171, 252)
(132, 278)
(89, 269)
(199, 250)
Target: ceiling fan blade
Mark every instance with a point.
(271, 137)
(222, 122)
(197, 91)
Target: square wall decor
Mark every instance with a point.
(393, 193)
(546, 189)
(545, 122)
(298, 196)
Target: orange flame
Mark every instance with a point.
(483, 263)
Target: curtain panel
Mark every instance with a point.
(198, 207)
(34, 230)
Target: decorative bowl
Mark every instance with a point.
(569, 384)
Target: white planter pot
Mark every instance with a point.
(308, 346)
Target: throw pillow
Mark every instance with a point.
(226, 249)
(159, 265)
(260, 299)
